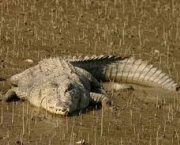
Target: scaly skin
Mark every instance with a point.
(64, 85)
(126, 70)
(56, 86)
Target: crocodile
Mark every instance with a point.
(63, 85)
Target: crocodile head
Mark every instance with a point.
(63, 96)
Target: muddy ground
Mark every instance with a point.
(41, 29)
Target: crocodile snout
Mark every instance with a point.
(59, 109)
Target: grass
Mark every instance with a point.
(41, 29)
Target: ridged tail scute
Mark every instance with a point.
(127, 70)
(140, 72)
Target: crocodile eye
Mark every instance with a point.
(70, 88)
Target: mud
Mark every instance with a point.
(40, 29)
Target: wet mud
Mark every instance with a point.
(33, 30)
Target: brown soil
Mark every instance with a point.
(145, 29)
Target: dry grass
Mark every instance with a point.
(38, 29)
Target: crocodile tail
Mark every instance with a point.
(139, 72)
(128, 70)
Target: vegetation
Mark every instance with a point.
(38, 29)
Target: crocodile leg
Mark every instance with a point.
(103, 99)
(9, 96)
(95, 85)
(127, 70)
